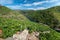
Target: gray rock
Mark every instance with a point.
(9, 38)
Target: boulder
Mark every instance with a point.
(25, 35)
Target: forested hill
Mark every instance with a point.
(56, 12)
(49, 16)
(12, 21)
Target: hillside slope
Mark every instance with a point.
(12, 21)
(49, 16)
(56, 11)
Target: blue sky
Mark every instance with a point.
(29, 4)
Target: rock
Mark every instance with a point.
(0, 33)
(9, 38)
(36, 34)
(33, 36)
(24, 35)
(1, 39)
(46, 32)
(21, 36)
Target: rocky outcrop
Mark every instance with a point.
(26, 36)
(1, 39)
(33, 36)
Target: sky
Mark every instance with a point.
(29, 4)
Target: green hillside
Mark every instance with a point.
(13, 21)
(49, 16)
(56, 11)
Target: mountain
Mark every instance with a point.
(12, 21)
(56, 11)
(50, 16)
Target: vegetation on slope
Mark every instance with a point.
(56, 11)
(49, 16)
(13, 21)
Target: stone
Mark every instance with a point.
(32, 37)
(1, 39)
(0, 33)
(24, 35)
(21, 36)
(9, 38)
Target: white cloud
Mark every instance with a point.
(39, 3)
(6, 1)
(14, 7)
(47, 1)
(34, 3)
(38, 8)
(27, 4)
(20, 7)
(57, 3)
(53, 0)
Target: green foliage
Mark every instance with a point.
(49, 36)
(13, 21)
(56, 12)
(42, 16)
(4, 10)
